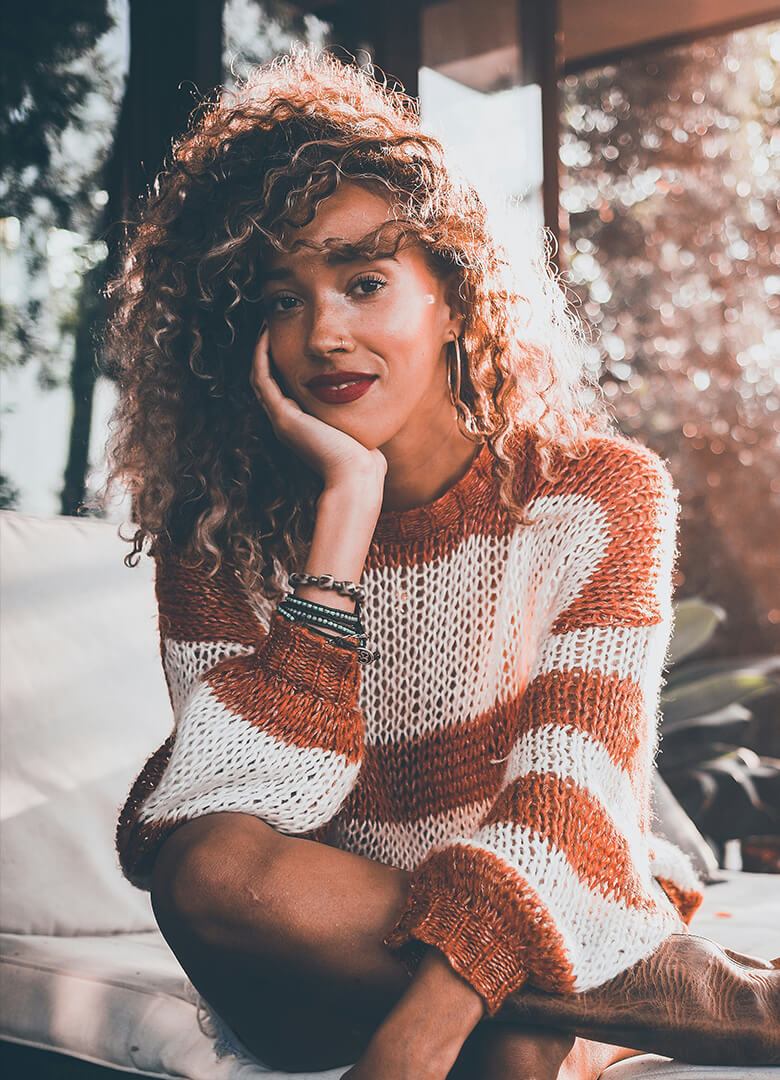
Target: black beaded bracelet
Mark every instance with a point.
(331, 619)
(311, 621)
(303, 604)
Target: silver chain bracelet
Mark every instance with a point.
(327, 581)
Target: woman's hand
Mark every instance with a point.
(337, 457)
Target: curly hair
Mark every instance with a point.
(203, 466)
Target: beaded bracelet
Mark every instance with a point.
(327, 581)
(344, 623)
(343, 619)
(297, 616)
(323, 609)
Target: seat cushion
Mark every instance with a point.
(84, 703)
(123, 1000)
(650, 1067)
(120, 1000)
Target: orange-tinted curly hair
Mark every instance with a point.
(203, 466)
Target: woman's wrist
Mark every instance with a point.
(346, 519)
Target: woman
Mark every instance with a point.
(414, 602)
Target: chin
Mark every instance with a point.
(367, 434)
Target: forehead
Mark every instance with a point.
(348, 215)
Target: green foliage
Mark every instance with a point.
(726, 788)
(42, 94)
(9, 495)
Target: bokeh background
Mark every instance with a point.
(644, 137)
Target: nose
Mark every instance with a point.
(327, 332)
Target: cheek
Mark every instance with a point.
(408, 323)
(285, 347)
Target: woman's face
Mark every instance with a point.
(386, 317)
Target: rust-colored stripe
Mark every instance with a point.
(572, 820)
(195, 607)
(434, 772)
(445, 769)
(298, 718)
(634, 487)
(606, 707)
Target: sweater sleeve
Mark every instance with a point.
(556, 885)
(265, 720)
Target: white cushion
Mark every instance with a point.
(123, 1000)
(650, 1067)
(120, 1000)
(84, 703)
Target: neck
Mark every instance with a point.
(422, 465)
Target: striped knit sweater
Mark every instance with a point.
(500, 749)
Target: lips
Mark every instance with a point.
(333, 378)
(348, 386)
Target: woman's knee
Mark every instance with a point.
(206, 864)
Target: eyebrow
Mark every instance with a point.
(283, 273)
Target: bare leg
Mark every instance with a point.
(503, 1052)
(283, 936)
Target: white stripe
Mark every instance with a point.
(574, 755)
(601, 936)
(668, 861)
(185, 662)
(621, 651)
(222, 762)
(405, 844)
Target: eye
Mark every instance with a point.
(370, 284)
(277, 305)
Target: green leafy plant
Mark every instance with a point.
(728, 789)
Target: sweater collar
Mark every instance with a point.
(444, 514)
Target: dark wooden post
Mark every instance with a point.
(175, 57)
(389, 28)
(541, 42)
(175, 49)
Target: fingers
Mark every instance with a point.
(283, 412)
(266, 388)
(260, 376)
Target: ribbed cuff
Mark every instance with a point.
(466, 929)
(309, 661)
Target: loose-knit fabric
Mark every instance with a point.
(500, 748)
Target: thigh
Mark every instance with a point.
(288, 1024)
(281, 936)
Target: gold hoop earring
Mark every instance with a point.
(468, 422)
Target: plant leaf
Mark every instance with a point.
(699, 669)
(687, 753)
(683, 701)
(695, 621)
(734, 715)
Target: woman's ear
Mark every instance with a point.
(455, 305)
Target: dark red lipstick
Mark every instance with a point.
(339, 387)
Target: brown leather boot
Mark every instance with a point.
(691, 1000)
